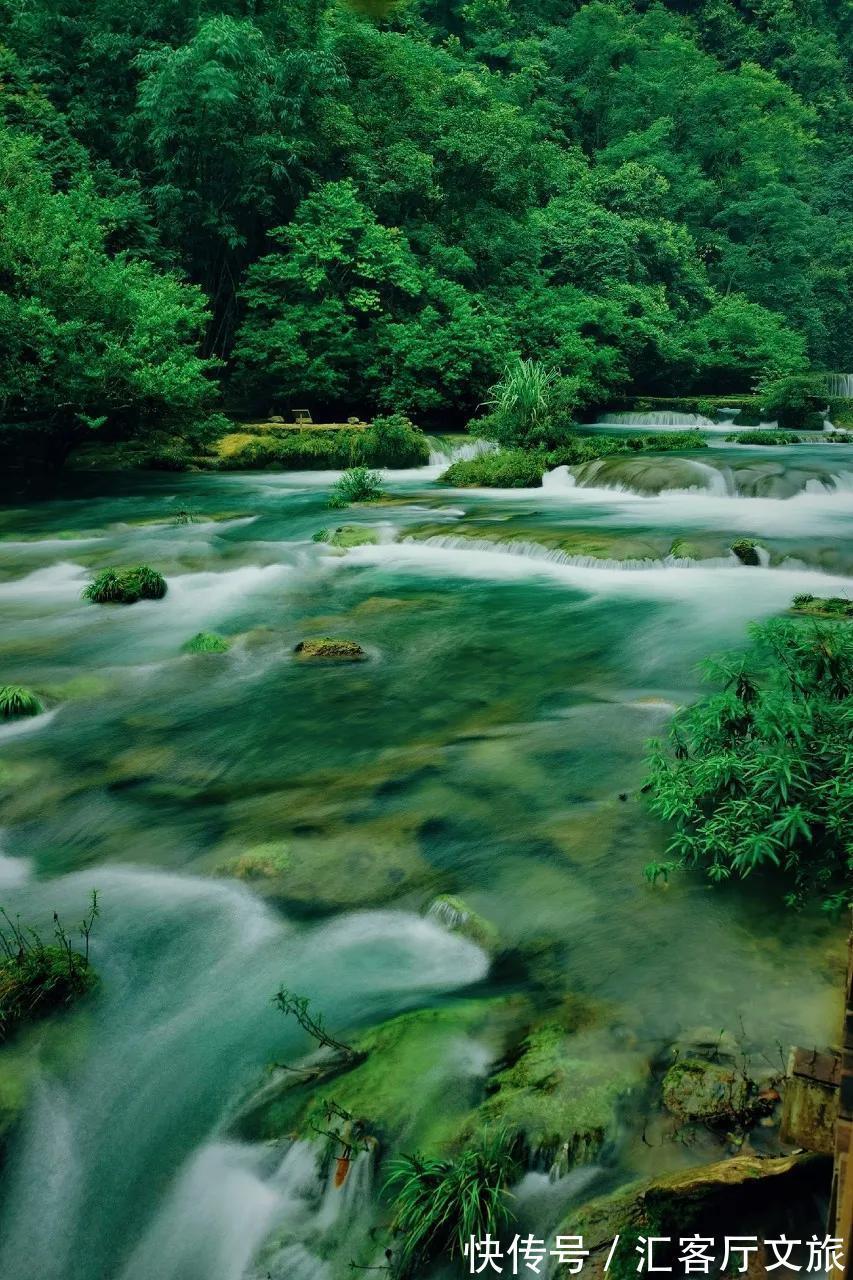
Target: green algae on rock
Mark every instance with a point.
(562, 1095)
(415, 1087)
(261, 862)
(715, 1092)
(328, 647)
(126, 586)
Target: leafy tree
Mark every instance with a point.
(759, 775)
(88, 336)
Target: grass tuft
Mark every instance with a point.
(207, 642)
(15, 700)
(126, 586)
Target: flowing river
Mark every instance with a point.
(523, 646)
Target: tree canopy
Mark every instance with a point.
(381, 206)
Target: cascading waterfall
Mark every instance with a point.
(657, 418)
(445, 449)
(120, 1169)
(554, 555)
(840, 385)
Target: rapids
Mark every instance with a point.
(523, 647)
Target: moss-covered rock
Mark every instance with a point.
(455, 914)
(714, 1092)
(261, 862)
(833, 607)
(330, 649)
(206, 642)
(126, 586)
(746, 551)
(562, 1094)
(348, 535)
(417, 1088)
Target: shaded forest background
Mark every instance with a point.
(371, 207)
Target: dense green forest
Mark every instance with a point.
(371, 207)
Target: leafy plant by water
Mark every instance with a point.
(38, 977)
(824, 606)
(299, 1007)
(16, 700)
(358, 484)
(440, 1203)
(519, 468)
(759, 775)
(527, 404)
(126, 586)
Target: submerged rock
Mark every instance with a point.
(329, 648)
(261, 862)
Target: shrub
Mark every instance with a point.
(764, 437)
(441, 1203)
(126, 586)
(392, 441)
(38, 978)
(206, 642)
(15, 700)
(529, 405)
(793, 401)
(824, 607)
(506, 469)
(358, 484)
(758, 776)
(668, 442)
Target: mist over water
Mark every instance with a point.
(523, 647)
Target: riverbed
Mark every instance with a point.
(522, 648)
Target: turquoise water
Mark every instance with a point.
(513, 677)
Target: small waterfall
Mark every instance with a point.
(554, 555)
(658, 418)
(840, 385)
(558, 480)
(443, 450)
(649, 477)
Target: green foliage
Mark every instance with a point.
(207, 642)
(358, 484)
(387, 442)
(759, 776)
(126, 586)
(527, 405)
(764, 437)
(794, 402)
(824, 606)
(38, 978)
(524, 468)
(15, 700)
(439, 1204)
(381, 207)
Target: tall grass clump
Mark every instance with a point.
(528, 405)
(15, 700)
(358, 484)
(38, 977)
(126, 586)
(440, 1203)
(758, 777)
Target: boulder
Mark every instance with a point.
(348, 535)
(456, 916)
